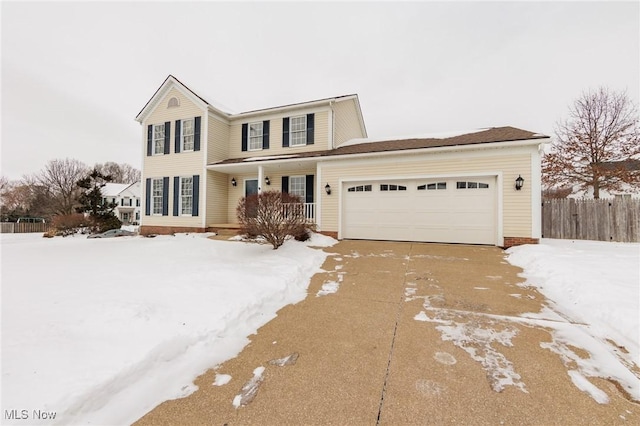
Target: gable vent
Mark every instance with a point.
(173, 102)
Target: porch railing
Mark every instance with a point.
(308, 208)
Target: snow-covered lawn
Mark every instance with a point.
(101, 331)
(595, 285)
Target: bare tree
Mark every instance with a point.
(60, 177)
(601, 132)
(120, 173)
(273, 215)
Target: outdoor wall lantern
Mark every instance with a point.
(327, 188)
(267, 181)
(233, 182)
(519, 183)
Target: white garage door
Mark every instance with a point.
(451, 210)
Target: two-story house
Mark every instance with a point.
(478, 187)
(127, 199)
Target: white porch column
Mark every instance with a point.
(260, 178)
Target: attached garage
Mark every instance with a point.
(447, 210)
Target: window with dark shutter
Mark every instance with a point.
(147, 198)
(176, 195)
(177, 137)
(285, 132)
(165, 196)
(196, 134)
(167, 137)
(196, 195)
(245, 132)
(265, 134)
(310, 128)
(149, 140)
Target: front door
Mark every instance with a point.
(251, 188)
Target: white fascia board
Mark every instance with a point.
(162, 92)
(454, 148)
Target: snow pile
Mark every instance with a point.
(591, 282)
(92, 331)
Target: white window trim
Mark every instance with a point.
(299, 131)
(153, 196)
(182, 135)
(304, 185)
(154, 138)
(180, 196)
(249, 136)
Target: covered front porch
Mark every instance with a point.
(255, 175)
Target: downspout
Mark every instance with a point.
(333, 125)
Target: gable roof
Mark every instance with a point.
(225, 112)
(629, 165)
(111, 189)
(490, 135)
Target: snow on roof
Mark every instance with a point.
(439, 135)
(113, 189)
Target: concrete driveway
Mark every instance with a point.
(414, 334)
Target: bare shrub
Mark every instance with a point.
(68, 224)
(272, 215)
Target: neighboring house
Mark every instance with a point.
(629, 168)
(199, 160)
(127, 198)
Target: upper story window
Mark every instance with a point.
(158, 139)
(187, 130)
(299, 130)
(256, 136)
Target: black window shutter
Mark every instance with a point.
(265, 134)
(177, 138)
(285, 132)
(196, 195)
(310, 125)
(176, 195)
(167, 137)
(309, 189)
(245, 131)
(147, 198)
(149, 140)
(285, 184)
(196, 134)
(165, 196)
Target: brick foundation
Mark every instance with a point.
(332, 234)
(518, 241)
(168, 230)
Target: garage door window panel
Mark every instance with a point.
(472, 185)
(360, 188)
(432, 186)
(391, 187)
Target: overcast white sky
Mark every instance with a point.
(74, 75)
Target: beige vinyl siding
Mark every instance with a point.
(516, 204)
(321, 135)
(235, 193)
(217, 192)
(218, 139)
(346, 122)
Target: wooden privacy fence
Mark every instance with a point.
(602, 220)
(19, 228)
